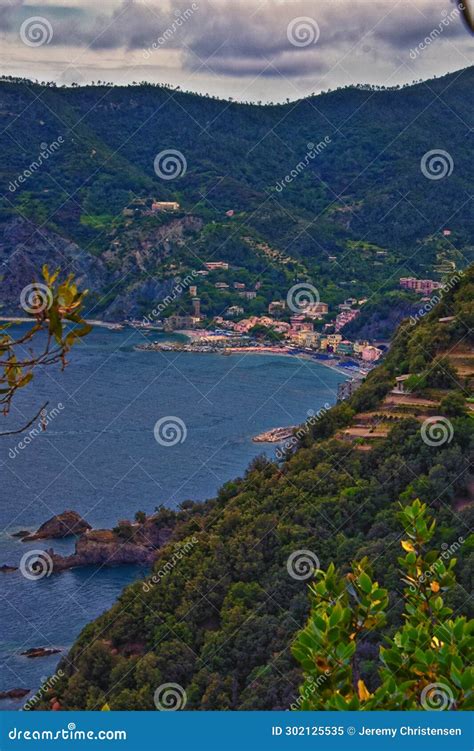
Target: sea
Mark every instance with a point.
(126, 430)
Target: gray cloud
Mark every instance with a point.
(249, 38)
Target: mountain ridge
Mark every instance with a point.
(346, 203)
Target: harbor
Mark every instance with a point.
(216, 344)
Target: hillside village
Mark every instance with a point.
(311, 327)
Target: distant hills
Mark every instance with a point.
(333, 182)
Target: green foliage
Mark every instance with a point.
(427, 661)
(266, 333)
(124, 531)
(441, 374)
(221, 621)
(453, 405)
(108, 165)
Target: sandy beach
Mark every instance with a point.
(195, 336)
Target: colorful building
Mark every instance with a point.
(333, 341)
(371, 354)
(216, 266)
(345, 348)
(421, 286)
(344, 317)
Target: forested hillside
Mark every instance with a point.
(221, 619)
(333, 184)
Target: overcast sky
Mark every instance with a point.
(245, 49)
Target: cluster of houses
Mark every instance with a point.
(421, 286)
(299, 332)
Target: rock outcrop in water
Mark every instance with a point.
(40, 652)
(275, 435)
(128, 543)
(62, 525)
(6, 569)
(132, 543)
(14, 693)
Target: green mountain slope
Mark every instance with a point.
(354, 213)
(221, 615)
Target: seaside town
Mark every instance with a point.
(306, 333)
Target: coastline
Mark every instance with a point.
(194, 335)
(102, 589)
(333, 364)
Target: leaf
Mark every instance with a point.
(363, 691)
(408, 546)
(365, 583)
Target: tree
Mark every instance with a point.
(427, 662)
(265, 333)
(441, 374)
(52, 306)
(453, 405)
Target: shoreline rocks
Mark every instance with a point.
(62, 525)
(14, 693)
(127, 544)
(6, 569)
(40, 652)
(275, 435)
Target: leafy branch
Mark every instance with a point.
(427, 663)
(56, 310)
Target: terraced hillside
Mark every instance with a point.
(221, 622)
